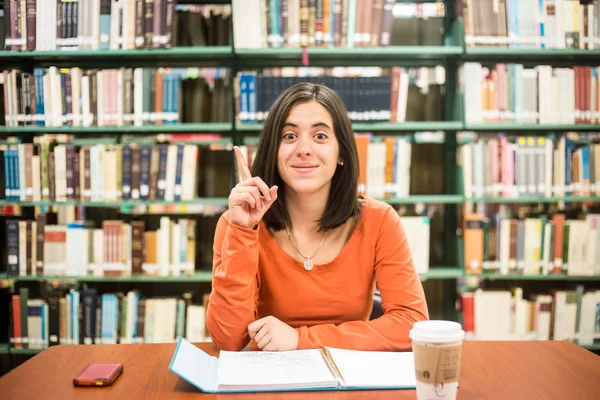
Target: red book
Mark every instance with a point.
(16, 316)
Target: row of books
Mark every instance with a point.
(88, 24)
(369, 94)
(545, 95)
(533, 244)
(335, 23)
(107, 247)
(202, 25)
(50, 170)
(115, 97)
(572, 315)
(507, 166)
(545, 24)
(89, 317)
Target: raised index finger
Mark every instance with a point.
(242, 164)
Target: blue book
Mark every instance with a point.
(178, 172)
(298, 370)
(38, 75)
(104, 25)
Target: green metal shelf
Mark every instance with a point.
(593, 347)
(442, 273)
(530, 56)
(533, 199)
(367, 56)
(411, 126)
(204, 276)
(427, 199)
(531, 127)
(125, 203)
(4, 348)
(165, 128)
(525, 277)
(177, 56)
(12, 350)
(204, 2)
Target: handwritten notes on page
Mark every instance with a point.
(286, 369)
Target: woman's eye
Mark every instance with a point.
(288, 136)
(321, 136)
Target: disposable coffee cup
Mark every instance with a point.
(437, 349)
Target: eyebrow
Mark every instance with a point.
(315, 125)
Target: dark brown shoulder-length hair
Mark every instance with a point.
(343, 201)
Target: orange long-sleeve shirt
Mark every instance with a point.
(329, 305)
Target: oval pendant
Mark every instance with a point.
(308, 265)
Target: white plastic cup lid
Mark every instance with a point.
(437, 331)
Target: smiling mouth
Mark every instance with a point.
(306, 168)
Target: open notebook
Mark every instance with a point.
(318, 369)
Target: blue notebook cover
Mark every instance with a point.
(351, 370)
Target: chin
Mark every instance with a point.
(307, 187)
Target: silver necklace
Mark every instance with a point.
(308, 265)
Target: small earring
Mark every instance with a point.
(341, 163)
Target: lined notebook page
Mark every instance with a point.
(303, 368)
(375, 369)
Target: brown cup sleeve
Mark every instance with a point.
(437, 364)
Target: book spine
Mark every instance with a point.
(169, 23)
(12, 247)
(137, 247)
(145, 172)
(41, 227)
(178, 173)
(105, 22)
(148, 22)
(31, 23)
(135, 173)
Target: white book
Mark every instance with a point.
(472, 91)
(312, 369)
(248, 29)
(171, 170)
(195, 323)
(188, 174)
(417, 230)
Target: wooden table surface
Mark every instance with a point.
(489, 370)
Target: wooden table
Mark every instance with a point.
(490, 370)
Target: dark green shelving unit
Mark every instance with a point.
(555, 57)
(203, 276)
(216, 127)
(132, 203)
(426, 199)
(330, 57)
(210, 56)
(525, 277)
(507, 127)
(533, 199)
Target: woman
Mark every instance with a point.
(298, 254)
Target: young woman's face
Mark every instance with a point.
(309, 150)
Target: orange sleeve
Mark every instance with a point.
(235, 282)
(402, 295)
